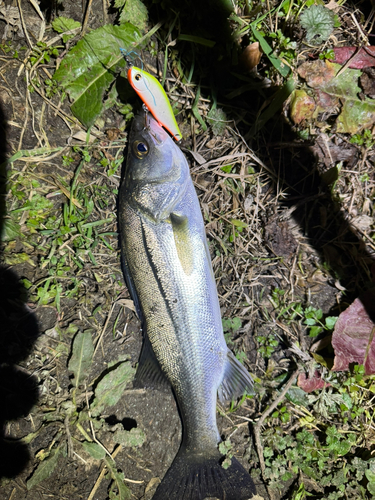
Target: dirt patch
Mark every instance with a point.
(290, 231)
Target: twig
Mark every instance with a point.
(86, 18)
(12, 494)
(69, 436)
(105, 15)
(104, 328)
(24, 25)
(92, 427)
(257, 427)
(102, 474)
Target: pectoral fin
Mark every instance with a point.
(131, 287)
(236, 381)
(183, 242)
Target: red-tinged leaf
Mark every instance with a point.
(326, 101)
(342, 87)
(317, 73)
(302, 106)
(362, 58)
(353, 336)
(310, 384)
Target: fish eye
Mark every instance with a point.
(140, 149)
(138, 77)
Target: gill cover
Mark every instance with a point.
(152, 94)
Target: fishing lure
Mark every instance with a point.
(153, 95)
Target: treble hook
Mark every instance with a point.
(127, 58)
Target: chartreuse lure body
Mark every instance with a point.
(154, 97)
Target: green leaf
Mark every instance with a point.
(216, 118)
(227, 168)
(18, 258)
(310, 321)
(134, 12)
(225, 447)
(197, 39)
(330, 322)
(281, 67)
(46, 468)
(356, 115)
(94, 449)
(236, 323)
(371, 488)
(10, 231)
(343, 448)
(318, 23)
(82, 354)
(90, 67)
(135, 437)
(238, 223)
(64, 24)
(124, 492)
(370, 476)
(298, 396)
(315, 330)
(109, 390)
(195, 109)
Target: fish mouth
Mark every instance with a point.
(146, 125)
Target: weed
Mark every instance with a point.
(364, 139)
(311, 316)
(225, 448)
(113, 165)
(231, 324)
(42, 53)
(282, 414)
(327, 54)
(318, 22)
(267, 345)
(286, 49)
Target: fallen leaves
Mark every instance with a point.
(310, 383)
(302, 106)
(353, 336)
(358, 58)
(335, 90)
(250, 56)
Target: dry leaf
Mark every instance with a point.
(352, 338)
(364, 58)
(250, 56)
(302, 106)
(313, 383)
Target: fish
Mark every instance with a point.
(168, 271)
(154, 97)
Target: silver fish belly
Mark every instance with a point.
(168, 271)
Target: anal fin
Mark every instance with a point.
(236, 382)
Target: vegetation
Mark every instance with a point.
(291, 237)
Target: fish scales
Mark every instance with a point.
(177, 308)
(168, 270)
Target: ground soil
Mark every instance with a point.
(302, 241)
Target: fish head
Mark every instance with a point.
(156, 171)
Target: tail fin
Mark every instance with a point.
(191, 477)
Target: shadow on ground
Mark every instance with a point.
(313, 206)
(18, 331)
